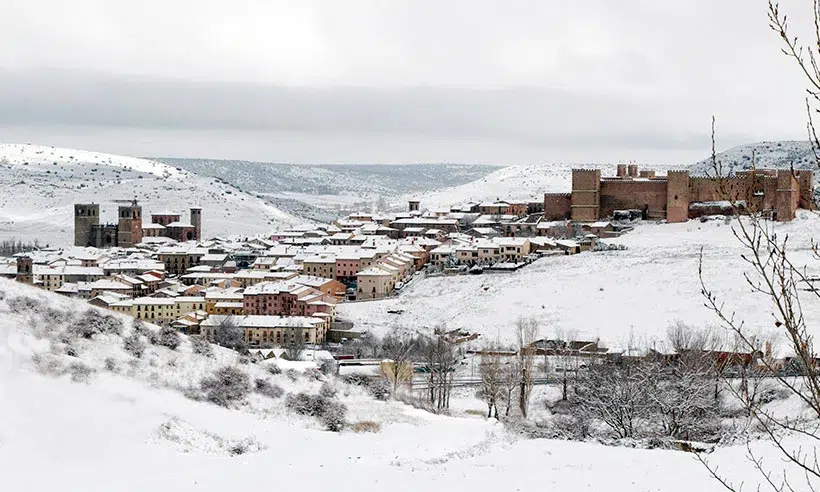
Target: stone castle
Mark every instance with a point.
(129, 228)
(677, 197)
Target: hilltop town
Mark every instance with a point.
(168, 271)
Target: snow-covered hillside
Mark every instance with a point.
(607, 295)
(513, 183)
(777, 155)
(128, 427)
(39, 185)
(324, 192)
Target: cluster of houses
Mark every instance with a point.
(289, 283)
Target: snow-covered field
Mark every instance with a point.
(608, 295)
(131, 429)
(39, 185)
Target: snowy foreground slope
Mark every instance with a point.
(607, 295)
(131, 429)
(39, 185)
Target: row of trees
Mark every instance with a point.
(10, 247)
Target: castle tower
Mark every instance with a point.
(677, 196)
(25, 270)
(413, 205)
(586, 195)
(196, 221)
(788, 195)
(621, 173)
(805, 178)
(129, 231)
(86, 216)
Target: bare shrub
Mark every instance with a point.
(227, 385)
(110, 364)
(201, 346)
(366, 426)
(168, 337)
(273, 368)
(134, 345)
(264, 387)
(292, 374)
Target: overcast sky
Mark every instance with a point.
(395, 81)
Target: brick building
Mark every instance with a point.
(129, 228)
(678, 196)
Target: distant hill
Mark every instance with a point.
(776, 155)
(40, 184)
(322, 192)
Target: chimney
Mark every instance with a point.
(621, 170)
(633, 170)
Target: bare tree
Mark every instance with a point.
(510, 382)
(616, 396)
(228, 334)
(491, 370)
(526, 335)
(785, 286)
(568, 360)
(400, 349)
(441, 359)
(294, 343)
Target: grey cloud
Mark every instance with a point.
(526, 115)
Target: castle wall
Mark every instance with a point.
(557, 206)
(677, 196)
(627, 194)
(586, 187)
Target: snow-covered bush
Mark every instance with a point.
(141, 328)
(226, 385)
(93, 322)
(110, 364)
(292, 374)
(23, 304)
(328, 367)
(330, 412)
(327, 390)
(264, 387)
(134, 345)
(273, 368)
(80, 373)
(48, 364)
(380, 389)
(201, 346)
(168, 337)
